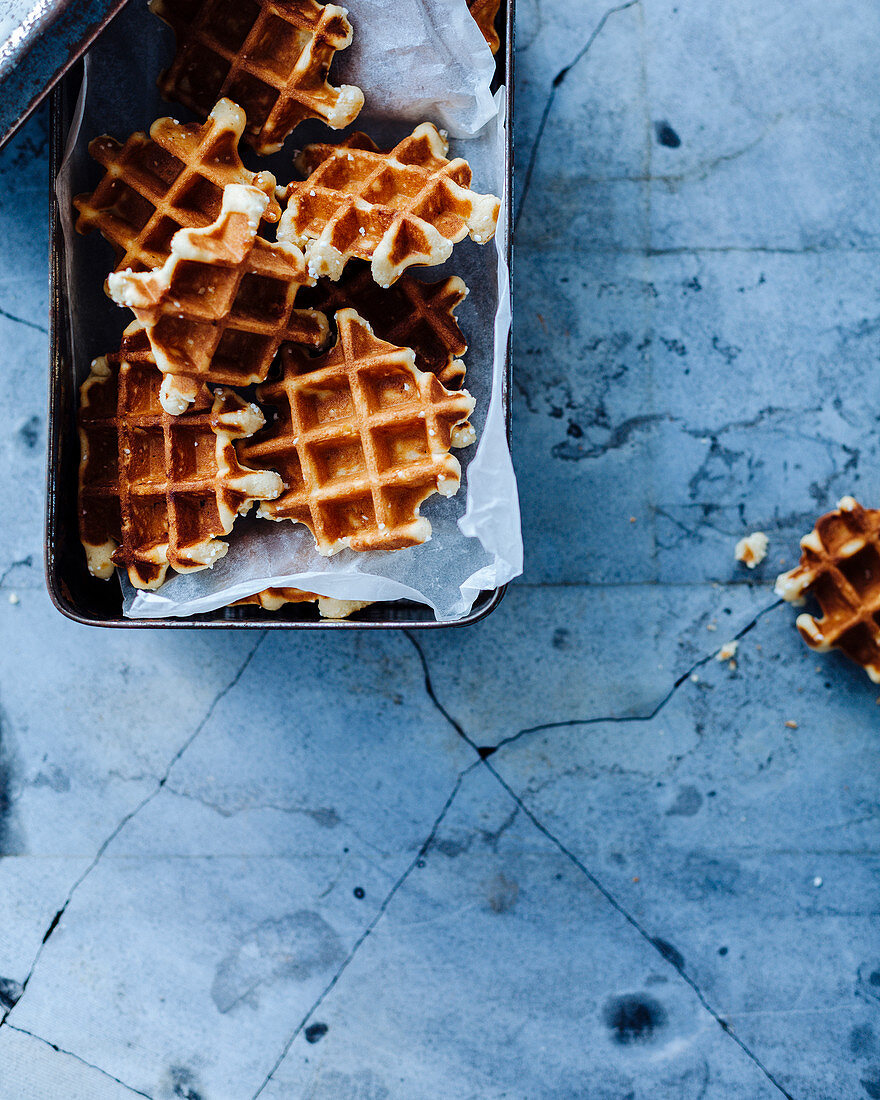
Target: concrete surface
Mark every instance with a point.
(564, 853)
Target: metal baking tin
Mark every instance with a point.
(93, 602)
(39, 41)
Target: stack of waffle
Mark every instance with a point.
(354, 365)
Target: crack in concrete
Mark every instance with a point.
(697, 173)
(576, 448)
(485, 751)
(619, 436)
(706, 510)
(23, 563)
(53, 924)
(652, 941)
(325, 816)
(722, 1022)
(555, 84)
(77, 1058)
(22, 321)
(380, 912)
(707, 250)
(760, 250)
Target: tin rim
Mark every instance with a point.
(59, 422)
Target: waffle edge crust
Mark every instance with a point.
(271, 56)
(172, 179)
(222, 303)
(158, 491)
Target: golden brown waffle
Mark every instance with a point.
(271, 56)
(221, 305)
(840, 568)
(485, 12)
(273, 599)
(395, 209)
(157, 491)
(172, 179)
(410, 314)
(361, 439)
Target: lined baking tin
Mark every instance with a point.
(84, 598)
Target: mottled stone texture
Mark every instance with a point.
(564, 853)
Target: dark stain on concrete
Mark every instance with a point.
(633, 1018)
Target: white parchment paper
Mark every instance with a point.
(416, 60)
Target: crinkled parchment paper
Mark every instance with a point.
(416, 60)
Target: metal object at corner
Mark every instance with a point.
(92, 602)
(38, 43)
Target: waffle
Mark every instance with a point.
(153, 186)
(361, 439)
(222, 303)
(485, 12)
(271, 56)
(840, 567)
(410, 314)
(273, 599)
(395, 209)
(157, 491)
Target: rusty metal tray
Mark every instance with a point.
(93, 602)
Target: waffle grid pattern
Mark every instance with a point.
(840, 568)
(223, 302)
(411, 314)
(407, 206)
(361, 440)
(162, 487)
(271, 56)
(153, 186)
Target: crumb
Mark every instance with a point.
(791, 725)
(817, 881)
(635, 878)
(732, 666)
(13, 598)
(695, 679)
(712, 626)
(727, 652)
(632, 519)
(752, 550)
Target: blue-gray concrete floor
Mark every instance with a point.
(564, 853)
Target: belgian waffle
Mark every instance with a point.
(271, 56)
(157, 491)
(222, 303)
(840, 568)
(273, 599)
(485, 12)
(153, 186)
(407, 206)
(361, 439)
(410, 314)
